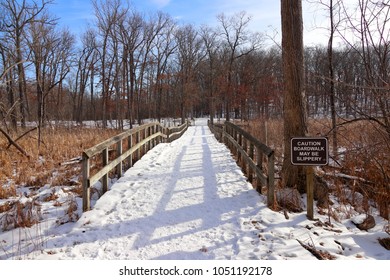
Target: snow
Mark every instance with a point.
(187, 200)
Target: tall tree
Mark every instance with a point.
(294, 88)
(17, 17)
(188, 55)
(239, 42)
(109, 14)
(211, 44)
(51, 53)
(132, 40)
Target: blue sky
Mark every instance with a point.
(265, 14)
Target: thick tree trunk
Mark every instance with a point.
(331, 78)
(293, 70)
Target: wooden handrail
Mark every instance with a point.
(250, 152)
(140, 140)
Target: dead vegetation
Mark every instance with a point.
(45, 165)
(22, 177)
(358, 173)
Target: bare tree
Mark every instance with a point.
(108, 14)
(50, 54)
(164, 47)
(189, 55)
(369, 38)
(239, 42)
(131, 34)
(19, 14)
(294, 88)
(87, 58)
(211, 44)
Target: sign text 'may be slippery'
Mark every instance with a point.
(309, 151)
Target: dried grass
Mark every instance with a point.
(21, 214)
(44, 166)
(366, 155)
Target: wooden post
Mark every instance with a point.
(159, 139)
(238, 138)
(86, 187)
(310, 192)
(245, 147)
(259, 158)
(167, 134)
(154, 143)
(271, 181)
(147, 134)
(137, 136)
(251, 155)
(105, 177)
(224, 139)
(119, 153)
(129, 145)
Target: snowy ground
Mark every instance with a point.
(188, 200)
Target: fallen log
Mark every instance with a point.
(21, 136)
(72, 161)
(13, 143)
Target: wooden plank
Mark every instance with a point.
(176, 133)
(112, 141)
(266, 150)
(115, 162)
(249, 161)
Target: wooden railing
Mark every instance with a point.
(251, 155)
(137, 141)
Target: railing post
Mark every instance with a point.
(224, 134)
(147, 134)
(119, 167)
(238, 137)
(137, 136)
(105, 177)
(250, 170)
(86, 186)
(270, 181)
(259, 164)
(167, 134)
(158, 129)
(129, 145)
(153, 132)
(245, 147)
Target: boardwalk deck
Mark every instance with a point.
(182, 200)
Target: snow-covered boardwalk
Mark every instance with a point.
(189, 200)
(183, 200)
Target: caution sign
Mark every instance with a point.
(309, 151)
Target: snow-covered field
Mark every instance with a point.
(188, 200)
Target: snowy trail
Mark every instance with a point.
(183, 200)
(188, 200)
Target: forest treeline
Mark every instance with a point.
(128, 66)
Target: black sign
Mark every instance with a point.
(309, 151)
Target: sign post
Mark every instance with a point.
(309, 151)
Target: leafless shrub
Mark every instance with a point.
(22, 214)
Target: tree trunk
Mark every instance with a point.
(331, 78)
(294, 107)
